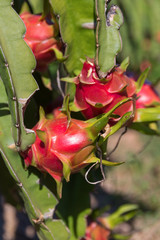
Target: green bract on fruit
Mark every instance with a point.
(95, 96)
(40, 37)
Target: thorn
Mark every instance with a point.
(12, 146)
(17, 125)
(39, 220)
(98, 68)
(17, 144)
(20, 185)
(90, 25)
(14, 98)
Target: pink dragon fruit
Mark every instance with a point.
(40, 37)
(95, 96)
(63, 147)
(147, 97)
(97, 230)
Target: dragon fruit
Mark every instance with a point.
(97, 230)
(95, 96)
(40, 37)
(147, 105)
(64, 146)
(147, 97)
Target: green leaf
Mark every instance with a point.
(125, 64)
(66, 109)
(17, 63)
(66, 171)
(108, 40)
(36, 5)
(105, 162)
(80, 41)
(42, 135)
(74, 205)
(98, 123)
(145, 128)
(122, 214)
(147, 114)
(142, 79)
(116, 127)
(120, 237)
(39, 200)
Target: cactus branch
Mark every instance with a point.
(108, 40)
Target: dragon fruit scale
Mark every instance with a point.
(95, 96)
(40, 37)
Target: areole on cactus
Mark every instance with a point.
(40, 36)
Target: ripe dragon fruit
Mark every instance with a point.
(147, 105)
(147, 97)
(40, 37)
(95, 96)
(63, 147)
(97, 230)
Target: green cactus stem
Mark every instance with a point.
(79, 40)
(17, 63)
(108, 40)
(39, 200)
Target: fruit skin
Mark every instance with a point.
(147, 97)
(60, 146)
(95, 96)
(97, 230)
(40, 37)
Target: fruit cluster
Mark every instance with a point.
(64, 145)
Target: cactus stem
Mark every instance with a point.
(97, 33)
(8, 82)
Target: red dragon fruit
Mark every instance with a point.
(95, 96)
(97, 230)
(40, 37)
(147, 97)
(147, 105)
(63, 147)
